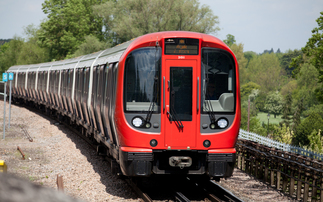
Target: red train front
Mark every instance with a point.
(177, 107)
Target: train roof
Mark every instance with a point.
(114, 54)
(109, 55)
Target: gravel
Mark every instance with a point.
(86, 176)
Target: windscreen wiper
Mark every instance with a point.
(209, 104)
(152, 102)
(173, 115)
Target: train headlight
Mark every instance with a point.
(153, 143)
(206, 143)
(137, 122)
(222, 123)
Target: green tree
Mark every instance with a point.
(246, 89)
(132, 18)
(31, 52)
(297, 114)
(283, 134)
(9, 53)
(314, 109)
(265, 70)
(316, 141)
(260, 101)
(68, 22)
(274, 103)
(286, 59)
(314, 51)
(90, 45)
(306, 128)
(230, 40)
(249, 55)
(287, 109)
(307, 82)
(237, 49)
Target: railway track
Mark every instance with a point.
(182, 189)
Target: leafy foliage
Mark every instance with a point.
(314, 51)
(230, 40)
(274, 103)
(287, 109)
(68, 22)
(286, 59)
(316, 141)
(132, 18)
(313, 122)
(9, 53)
(265, 70)
(90, 45)
(283, 134)
(246, 89)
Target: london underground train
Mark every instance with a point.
(163, 103)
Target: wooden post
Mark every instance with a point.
(292, 183)
(299, 185)
(239, 161)
(321, 197)
(272, 180)
(314, 189)
(243, 162)
(278, 179)
(59, 182)
(285, 170)
(306, 189)
(266, 170)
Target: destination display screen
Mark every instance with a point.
(181, 46)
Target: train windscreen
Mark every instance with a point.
(218, 81)
(142, 80)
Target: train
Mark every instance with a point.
(165, 103)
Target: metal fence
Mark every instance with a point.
(282, 146)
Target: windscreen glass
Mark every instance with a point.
(218, 81)
(142, 80)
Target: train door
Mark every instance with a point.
(181, 109)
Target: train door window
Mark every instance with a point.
(52, 81)
(80, 86)
(218, 81)
(34, 81)
(114, 75)
(56, 82)
(40, 80)
(70, 82)
(94, 84)
(85, 83)
(65, 81)
(181, 92)
(100, 83)
(142, 80)
(77, 84)
(107, 85)
(62, 82)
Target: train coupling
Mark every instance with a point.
(180, 161)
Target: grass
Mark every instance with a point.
(262, 116)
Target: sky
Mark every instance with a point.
(258, 24)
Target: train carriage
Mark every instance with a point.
(163, 103)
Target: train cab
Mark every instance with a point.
(181, 102)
